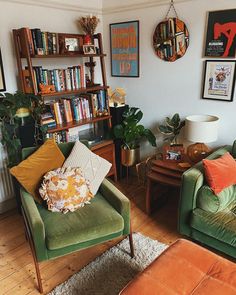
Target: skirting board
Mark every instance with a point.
(7, 205)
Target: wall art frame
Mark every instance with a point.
(2, 77)
(124, 49)
(221, 34)
(219, 80)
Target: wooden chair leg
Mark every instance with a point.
(131, 245)
(31, 243)
(40, 285)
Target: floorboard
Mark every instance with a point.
(17, 273)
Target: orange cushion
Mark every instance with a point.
(220, 173)
(31, 171)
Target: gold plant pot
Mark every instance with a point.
(130, 157)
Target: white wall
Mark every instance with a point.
(166, 88)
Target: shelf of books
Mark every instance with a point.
(71, 96)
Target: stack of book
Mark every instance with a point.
(47, 120)
(42, 43)
(71, 78)
(78, 108)
(69, 135)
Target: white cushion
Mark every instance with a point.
(94, 168)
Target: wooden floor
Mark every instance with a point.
(17, 272)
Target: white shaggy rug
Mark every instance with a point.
(110, 272)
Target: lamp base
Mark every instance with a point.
(198, 151)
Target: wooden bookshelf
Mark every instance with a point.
(77, 91)
(25, 56)
(65, 55)
(67, 126)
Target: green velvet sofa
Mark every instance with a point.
(204, 217)
(52, 235)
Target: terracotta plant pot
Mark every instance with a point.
(130, 157)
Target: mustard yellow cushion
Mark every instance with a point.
(31, 171)
(65, 189)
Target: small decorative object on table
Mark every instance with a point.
(88, 24)
(173, 153)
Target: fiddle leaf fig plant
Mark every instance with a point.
(14, 107)
(171, 128)
(130, 132)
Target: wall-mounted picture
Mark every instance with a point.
(171, 39)
(124, 43)
(219, 80)
(221, 34)
(2, 78)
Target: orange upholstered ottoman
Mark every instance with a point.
(183, 269)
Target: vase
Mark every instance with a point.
(88, 39)
(130, 157)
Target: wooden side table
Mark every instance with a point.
(163, 172)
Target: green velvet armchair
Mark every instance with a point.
(52, 235)
(204, 217)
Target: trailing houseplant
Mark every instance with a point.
(171, 128)
(131, 133)
(14, 110)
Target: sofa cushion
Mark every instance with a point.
(94, 168)
(31, 171)
(221, 225)
(220, 173)
(65, 189)
(208, 201)
(62, 230)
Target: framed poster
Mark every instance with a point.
(221, 34)
(124, 43)
(2, 79)
(219, 80)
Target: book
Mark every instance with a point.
(39, 41)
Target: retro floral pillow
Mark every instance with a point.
(65, 189)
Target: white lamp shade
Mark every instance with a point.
(201, 128)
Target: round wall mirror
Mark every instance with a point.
(171, 39)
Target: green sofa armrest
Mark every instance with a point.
(35, 224)
(118, 200)
(192, 181)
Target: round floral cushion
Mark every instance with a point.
(65, 189)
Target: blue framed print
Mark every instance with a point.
(124, 44)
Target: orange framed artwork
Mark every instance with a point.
(124, 44)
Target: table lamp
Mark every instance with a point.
(200, 129)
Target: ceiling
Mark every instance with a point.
(96, 6)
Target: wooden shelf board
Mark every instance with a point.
(164, 179)
(66, 55)
(77, 91)
(66, 126)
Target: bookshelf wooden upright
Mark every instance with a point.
(104, 149)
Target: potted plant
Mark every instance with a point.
(15, 110)
(131, 133)
(171, 128)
